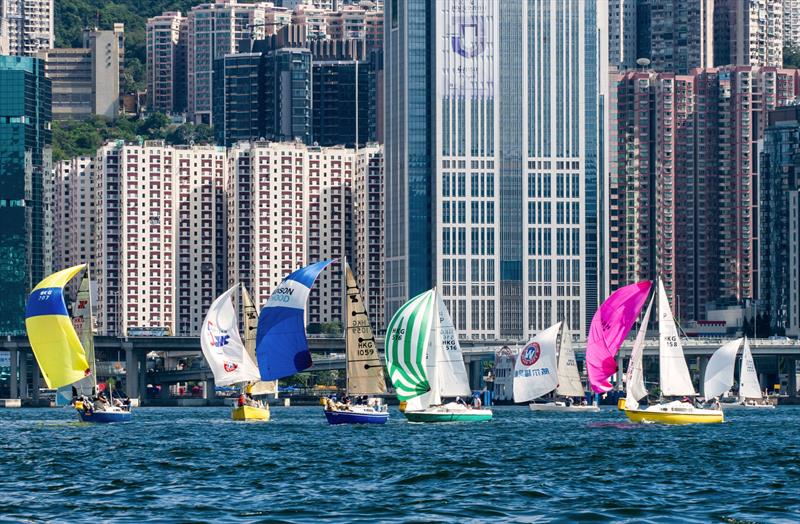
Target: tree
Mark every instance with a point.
(791, 56)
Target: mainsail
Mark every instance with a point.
(55, 343)
(250, 325)
(82, 321)
(749, 386)
(569, 378)
(610, 325)
(222, 345)
(281, 343)
(535, 371)
(408, 335)
(451, 374)
(675, 379)
(364, 368)
(634, 378)
(719, 371)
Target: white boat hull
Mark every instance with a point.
(450, 412)
(561, 407)
(739, 405)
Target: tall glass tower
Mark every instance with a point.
(492, 143)
(25, 166)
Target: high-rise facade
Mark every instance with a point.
(344, 102)
(492, 161)
(779, 180)
(213, 31)
(85, 80)
(748, 32)
(25, 184)
(684, 202)
(681, 34)
(287, 94)
(791, 23)
(166, 63)
(26, 26)
(622, 33)
(74, 213)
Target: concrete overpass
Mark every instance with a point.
(476, 352)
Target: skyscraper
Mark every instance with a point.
(26, 26)
(492, 144)
(166, 62)
(25, 166)
(682, 34)
(748, 32)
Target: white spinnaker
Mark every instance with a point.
(749, 386)
(536, 368)
(675, 379)
(569, 378)
(250, 324)
(452, 379)
(222, 345)
(635, 388)
(84, 326)
(719, 371)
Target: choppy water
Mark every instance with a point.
(182, 464)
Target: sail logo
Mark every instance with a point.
(282, 294)
(230, 367)
(530, 355)
(217, 341)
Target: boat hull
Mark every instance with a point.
(443, 414)
(250, 413)
(675, 413)
(560, 407)
(105, 417)
(736, 405)
(356, 417)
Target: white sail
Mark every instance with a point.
(749, 386)
(719, 371)
(84, 327)
(250, 325)
(569, 378)
(222, 346)
(675, 379)
(364, 368)
(452, 379)
(635, 389)
(535, 370)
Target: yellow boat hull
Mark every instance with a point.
(251, 413)
(639, 415)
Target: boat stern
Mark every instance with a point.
(250, 413)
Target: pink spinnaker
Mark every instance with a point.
(610, 326)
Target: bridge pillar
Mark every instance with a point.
(792, 372)
(142, 375)
(13, 380)
(35, 380)
(208, 389)
(131, 371)
(23, 375)
(475, 374)
(702, 364)
(620, 371)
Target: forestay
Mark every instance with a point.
(250, 323)
(719, 371)
(281, 343)
(535, 370)
(569, 378)
(408, 335)
(675, 379)
(364, 368)
(635, 388)
(222, 345)
(749, 386)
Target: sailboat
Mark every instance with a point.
(426, 365)
(65, 356)
(718, 378)
(545, 365)
(227, 354)
(674, 375)
(364, 368)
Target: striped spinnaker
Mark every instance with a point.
(407, 338)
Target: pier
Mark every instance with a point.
(775, 357)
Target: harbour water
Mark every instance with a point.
(184, 464)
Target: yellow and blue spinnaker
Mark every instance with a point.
(55, 343)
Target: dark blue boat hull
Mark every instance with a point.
(348, 417)
(105, 417)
